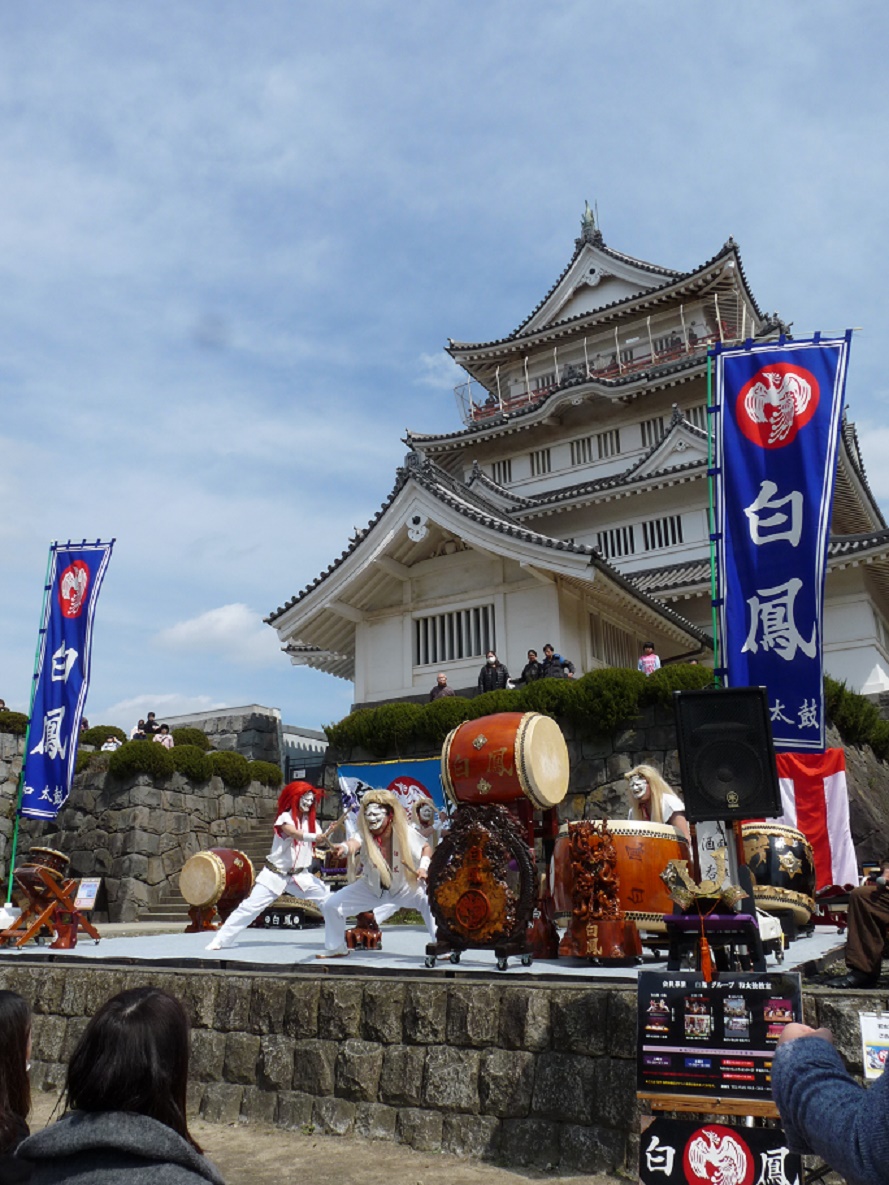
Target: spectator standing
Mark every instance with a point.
(532, 669)
(151, 725)
(554, 666)
(441, 687)
(493, 676)
(648, 661)
(163, 737)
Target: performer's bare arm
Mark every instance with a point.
(679, 821)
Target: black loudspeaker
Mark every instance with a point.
(726, 754)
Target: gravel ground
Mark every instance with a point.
(256, 1154)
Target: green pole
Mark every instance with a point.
(712, 519)
(21, 789)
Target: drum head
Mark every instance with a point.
(542, 760)
(202, 879)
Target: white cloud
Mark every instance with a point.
(233, 632)
(440, 371)
(126, 712)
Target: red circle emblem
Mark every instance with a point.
(73, 584)
(776, 403)
(408, 789)
(718, 1154)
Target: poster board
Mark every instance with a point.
(712, 1040)
(87, 892)
(874, 1043)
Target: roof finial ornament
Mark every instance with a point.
(589, 225)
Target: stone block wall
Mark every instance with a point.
(12, 750)
(531, 1075)
(138, 834)
(253, 731)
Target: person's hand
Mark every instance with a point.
(422, 874)
(341, 849)
(795, 1030)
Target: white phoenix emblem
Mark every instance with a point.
(788, 395)
(718, 1159)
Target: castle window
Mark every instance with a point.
(448, 637)
(540, 462)
(501, 471)
(582, 450)
(697, 415)
(612, 645)
(658, 533)
(652, 431)
(608, 443)
(617, 542)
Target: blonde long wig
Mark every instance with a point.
(658, 789)
(400, 837)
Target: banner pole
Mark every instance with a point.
(47, 584)
(711, 481)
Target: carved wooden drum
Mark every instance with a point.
(220, 876)
(643, 851)
(502, 758)
(782, 865)
(49, 858)
(27, 875)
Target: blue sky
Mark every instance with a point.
(234, 239)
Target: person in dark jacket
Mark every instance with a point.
(532, 669)
(125, 1094)
(554, 666)
(493, 676)
(825, 1111)
(15, 1087)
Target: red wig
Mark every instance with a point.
(289, 799)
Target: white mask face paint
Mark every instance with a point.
(425, 813)
(376, 816)
(307, 802)
(639, 788)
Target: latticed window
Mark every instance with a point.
(652, 431)
(612, 645)
(616, 542)
(448, 637)
(582, 450)
(540, 462)
(662, 532)
(608, 443)
(501, 471)
(697, 415)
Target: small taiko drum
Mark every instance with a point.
(505, 757)
(27, 876)
(643, 851)
(782, 866)
(220, 877)
(49, 858)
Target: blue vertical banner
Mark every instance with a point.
(76, 571)
(778, 413)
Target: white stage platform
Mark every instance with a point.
(403, 953)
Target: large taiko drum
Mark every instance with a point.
(505, 757)
(782, 866)
(220, 876)
(643, 851)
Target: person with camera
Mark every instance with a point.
(868, 924)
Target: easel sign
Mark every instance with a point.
(713, 1041)
(87, 892)
(874, 1043)
(692, 1151)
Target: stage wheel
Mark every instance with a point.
(501, 964)
(455, 956)
(527, 960)
(430, 960)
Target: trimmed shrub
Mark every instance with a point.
(233, 768)
(191, 761)
(14, 723)
(142, 758)
(192, 736)
(99, 734)
(265, 772)
(90, 759)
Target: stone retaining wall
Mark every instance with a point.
(533, 1075)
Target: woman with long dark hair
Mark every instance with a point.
(125, 1096)
(15, 1086)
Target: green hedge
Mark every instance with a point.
(191, 761)
(90, 759)
(265, 772)
(233, 768)
(857, 719)
(99, 734)
(595, 704)
(141, 757)
(14, 723)
(192, 736)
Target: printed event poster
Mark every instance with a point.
(409, 779)
(689, 1151)
(719, 1038)
(874, 1043)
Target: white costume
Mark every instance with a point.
(367, 893)
(672, 805)
(287, 870)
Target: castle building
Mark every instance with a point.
(571, 505)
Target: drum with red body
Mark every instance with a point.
(504, 758)
(220, 877)
(643, 851)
